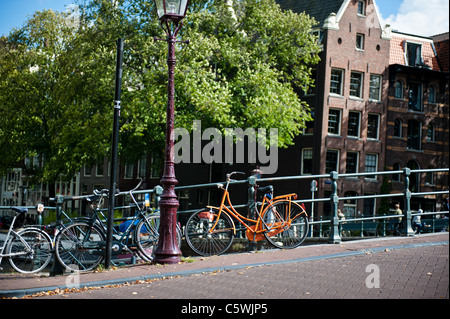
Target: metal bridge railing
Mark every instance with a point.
(334, 224)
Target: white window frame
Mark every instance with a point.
(361, 84)
(337, 160)
(376, 165)
(126, 171)
(357, 162)
(363, 6)
(380, 81)
(339, 111)
(360, 38)
(359, 125)
(303, 160)
(341, 82)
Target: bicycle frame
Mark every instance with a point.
(121, 237)
(256, 231)
(8, 236)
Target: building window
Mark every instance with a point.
(87, 170)
(430, 133)
(311, 89)
(332, 161)
(99, 169)
(372, 126)
(319, 35)
(356, 82)
(429, 178)
(360, 41)
(414, 134)
(156, 165)
(361, 8)
(371, 164)
(128, 171)
(351, 165)
(350, 205)
(398, 89)
(307, 161)
(309, 129)
(432, 94)
(142, 166)
(415, 97)
(336, 81)
(334, 121)
(398, 128)
(375, 87)
(414, 54)
(353, 124)
(369, 206)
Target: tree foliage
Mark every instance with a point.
(244, 66)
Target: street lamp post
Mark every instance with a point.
(170, 13)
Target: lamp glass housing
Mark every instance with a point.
(171, 9)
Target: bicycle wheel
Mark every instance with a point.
(202, 240)
(146, 236)
(31, 249)
(80, 247)
(287, 224)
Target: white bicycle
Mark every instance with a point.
(28, 249)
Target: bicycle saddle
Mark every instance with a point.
(266, 189)
(92, 198)
(20, 210)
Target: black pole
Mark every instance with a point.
(115, 143)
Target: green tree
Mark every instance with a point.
(245, 65)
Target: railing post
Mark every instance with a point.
(57, 268)
(158, 191)
(362, 227)
(383, 233)
(407, 229)
(251, 205)
(320, 227)
(335, 237)
(251, 196)
(40, 212)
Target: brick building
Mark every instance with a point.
(418, 117)
(349, 101)
(357, 115)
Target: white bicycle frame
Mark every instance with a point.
(5, 244)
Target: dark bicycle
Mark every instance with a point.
(81, 246)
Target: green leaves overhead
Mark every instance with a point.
(244, 66)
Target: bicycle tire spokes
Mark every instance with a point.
(146, 236)
(208, 233)
(29, 251)
(290, 224)
(79, 247)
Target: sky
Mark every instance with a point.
(421, 17)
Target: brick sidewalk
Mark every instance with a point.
(321, 271)
(410, 273)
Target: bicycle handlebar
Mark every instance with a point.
(232, 173)
(138, 185)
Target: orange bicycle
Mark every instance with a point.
(283, 222)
